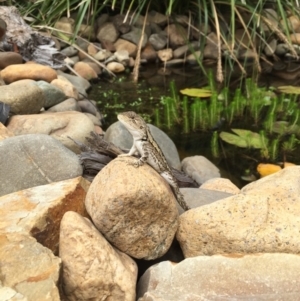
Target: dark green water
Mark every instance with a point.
(145, 98)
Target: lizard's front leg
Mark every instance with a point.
(132, 152)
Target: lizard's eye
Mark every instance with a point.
(141, 127)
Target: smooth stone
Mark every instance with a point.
(52, 94)
(9, 58)
(134, 36)
(92, 268)
(60, 125)
(157, 18)
(93, 118)
(194, 58)
(76, 80)
(13, 73)
(121, 23)
(122, 44)
(115, 67)
(65, 24)
(66, 86)
(158, 41)
(165, 54)
(102, 55)
(27, 161)
(149, 53)
(85, 71)
(87, 106)
(270, 47)
(200, 169)
(259, 277)
(263, 218)
(177, 34)
(120, 136)
(23, 98)
(70, 104)
(186, 49)
(122, 56)
(140, 230)
(94, 66)
(108, 32)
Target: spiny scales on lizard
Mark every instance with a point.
(145, 145)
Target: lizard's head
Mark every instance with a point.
(134, 123)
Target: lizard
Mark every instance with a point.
(145, 145)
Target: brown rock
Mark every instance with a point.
(148, 53)
(95, 67)
(60, 126)
(133, 208)
(65, 24)
(4, 132)
(251, 277)
(108, 45)
(26, 266)
(92, 268)
(126, 45)
(165, 54)
(92, 50)
(13, 73)
(177, 34)
(115, 67)
(66, 86)
(108, 32)
(85, 71)
(293, 24)
(264, 217)
(9, 58)
(295, 38)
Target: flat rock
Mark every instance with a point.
(134, 208)
(92, 268)
(29, 270)
(9, 58)
(60, 126)
(28, 161)
(259, 277)
(52, 95)
(264, 217)
(200, 169)
(120, 136)
(16, 72)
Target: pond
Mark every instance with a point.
(158, 99)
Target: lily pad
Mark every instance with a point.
(283, 127)
(289, 89)
(193, 92)
(243, 138)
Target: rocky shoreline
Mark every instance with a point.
(64, 238)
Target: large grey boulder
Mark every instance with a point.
(32, 160)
